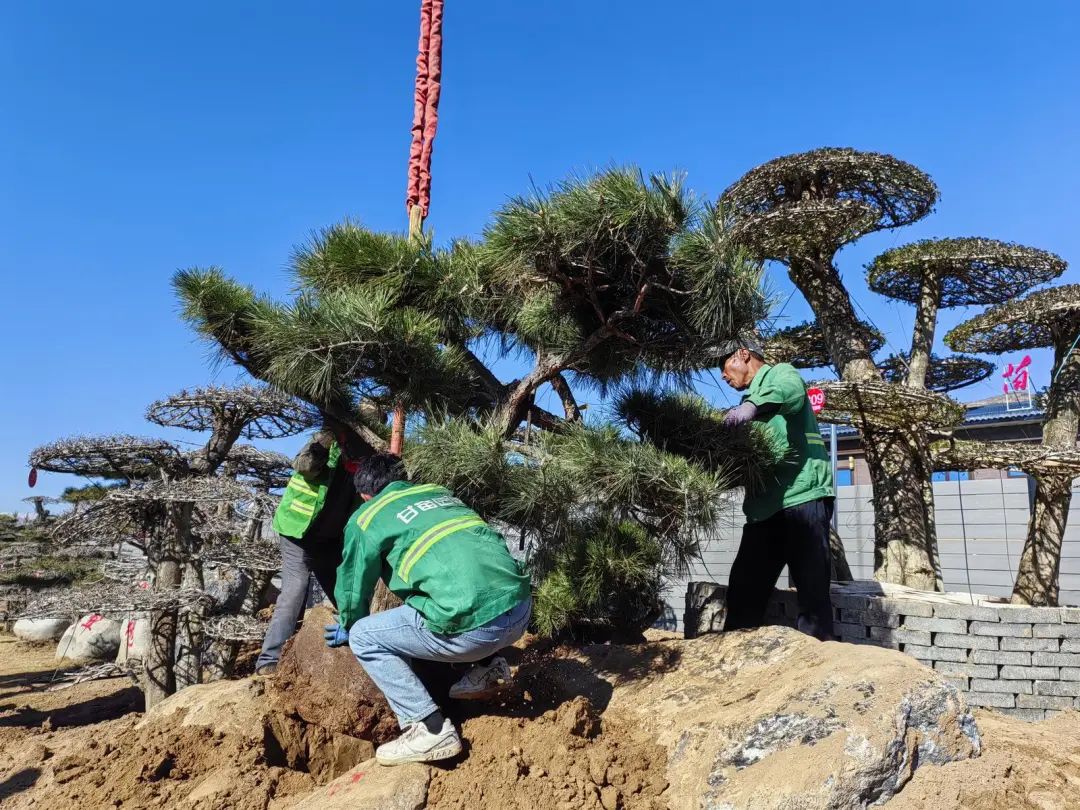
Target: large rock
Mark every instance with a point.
(370, 786)
(772, 718)
(40, 630)
(92, 638)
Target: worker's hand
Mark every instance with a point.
(335, 635)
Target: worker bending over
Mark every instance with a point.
(788, 517)
(310, 520)
(465, 599)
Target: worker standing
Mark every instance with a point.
(788, 516)
(311, 523)
(465, 599)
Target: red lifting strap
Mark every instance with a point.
(425, 105)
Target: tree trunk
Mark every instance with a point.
(905, 543)
(841, 571)
(159, 682)
(922, 335)
(1040, 563)
(384, 599)
(187, 670)
(820, 284)
(160, 679)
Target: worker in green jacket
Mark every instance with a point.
(788, 517)
(465, 599)
(310, 521)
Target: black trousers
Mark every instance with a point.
(799, 538)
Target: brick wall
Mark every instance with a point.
(1020, 660)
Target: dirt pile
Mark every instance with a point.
(1023, 766)
(765, 719)
(208, 747)
(566, 758)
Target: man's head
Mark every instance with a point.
(376, 472)
(740, 361)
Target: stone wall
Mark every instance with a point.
(1020, 660)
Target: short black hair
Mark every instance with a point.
(376, 472)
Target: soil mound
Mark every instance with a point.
(566, 758)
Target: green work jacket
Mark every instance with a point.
(803, 473)
(434, 553)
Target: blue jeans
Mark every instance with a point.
(385, 642)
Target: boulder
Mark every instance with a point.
(327, 687)
(91, 638)
(772, 718)
(370, 786)
(40, 630)
(134, 638)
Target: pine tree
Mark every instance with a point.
(599, 282)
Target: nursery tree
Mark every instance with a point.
(801, 210)
(176, 507)
(1045, 319)
(596, 283)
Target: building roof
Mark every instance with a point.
(982, 412)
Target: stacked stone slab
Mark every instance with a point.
(1023, 661)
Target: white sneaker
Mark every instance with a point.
(483, 681)
(417, 744)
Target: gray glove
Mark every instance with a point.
(741, 414)
(311, 460)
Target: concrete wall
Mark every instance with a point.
(989, 517)
(1020, 660)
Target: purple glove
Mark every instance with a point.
(740, 414)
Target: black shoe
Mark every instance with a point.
(266, 669)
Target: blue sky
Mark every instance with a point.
(140, 138)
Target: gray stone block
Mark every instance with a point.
(1048, 659)
(909, 607)
(1070, 674)
(936, 625)
(1064, 688)
(998, 700)
(1029, 673)
(920, 637)
(1028, 615)
(961, 682)
(850, 632)
(965, 641)
(1057, 630)
(884, 636)
(869, 617)
(1001, 629)
(1022, 659)
(851, 601)
(1044, 702)
(1012, 687)
(879, 615)
(1070, 614)
(1030, 644)
(971, 670)
(935, 653)
(969, 612)
(1033, 715)
(1070, 645)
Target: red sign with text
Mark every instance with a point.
(817, 399)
